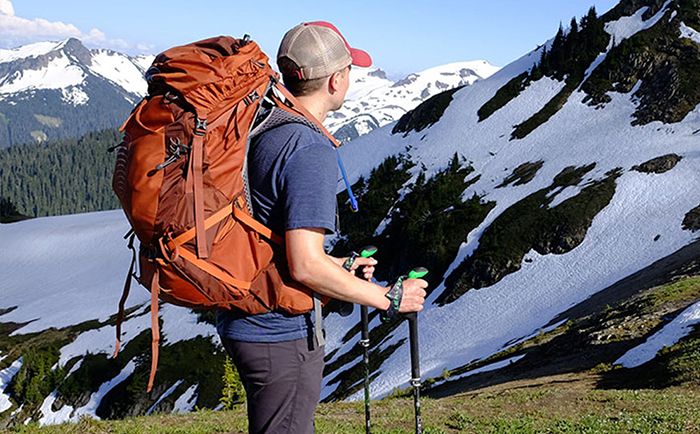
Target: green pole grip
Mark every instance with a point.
(368, 251)
(417, 273)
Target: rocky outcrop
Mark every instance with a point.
(664, 64)
(660, 164)
(522, 174)
(691, 221)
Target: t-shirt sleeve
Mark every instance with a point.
(308, 185)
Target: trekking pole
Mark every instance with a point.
(364, 340)
(395, 295)
(416, 273)
(344, 308)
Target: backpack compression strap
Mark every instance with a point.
(172, 248)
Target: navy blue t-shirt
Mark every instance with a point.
(292, 173)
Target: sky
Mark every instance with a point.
(402, 36)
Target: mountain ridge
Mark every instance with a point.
(60, 90)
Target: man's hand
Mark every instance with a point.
(413, 295)
(367, 266)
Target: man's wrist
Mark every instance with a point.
(394, 296)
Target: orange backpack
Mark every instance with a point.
(180, 176)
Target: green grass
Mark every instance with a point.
(544, 409)
(683, 291)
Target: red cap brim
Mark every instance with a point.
(360, 58)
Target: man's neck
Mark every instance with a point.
(314, 105)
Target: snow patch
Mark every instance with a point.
(120, 70)
(77, 263)
(566, 193)
(66, 413)
(75, 96)
(690, 33)
(488, 368)
(186, 402)
(6, 376)
(50, 417)
(27, 51)
(626, 27)
(165, 394)
(673, 332)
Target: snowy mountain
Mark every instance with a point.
(561, 185)
(575, 168)
(374, 101)
(62, 89)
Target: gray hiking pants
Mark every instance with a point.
(282, 381)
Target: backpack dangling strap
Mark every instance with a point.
(125, 294)
(155, 331)
(194, 180)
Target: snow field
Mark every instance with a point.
(60, 73)
(120, 70)
(673, 332)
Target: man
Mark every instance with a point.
(292, 175)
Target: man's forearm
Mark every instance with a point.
(325, 276)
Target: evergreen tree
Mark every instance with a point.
(573, 27)
(60, 177)
(233, 392)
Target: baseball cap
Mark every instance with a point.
(318, 49)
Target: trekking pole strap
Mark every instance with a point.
(395, 295)
(319, 339)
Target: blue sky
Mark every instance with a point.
(401, 36)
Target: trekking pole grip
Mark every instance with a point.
(395, 294)
(345, 307)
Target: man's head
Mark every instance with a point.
(315, 58)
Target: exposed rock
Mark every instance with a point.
(522, 174)
(691, 222)
(660, 164)
(665, 65)
(378, 73)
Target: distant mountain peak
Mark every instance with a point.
(82, 89)
(374, 101)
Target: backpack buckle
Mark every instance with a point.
(200, 126)
(251, 98)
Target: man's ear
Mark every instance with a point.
(334, 82)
